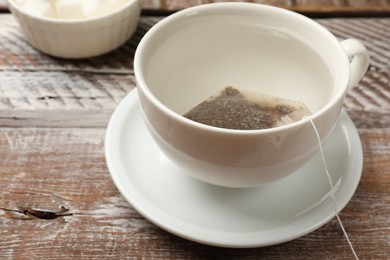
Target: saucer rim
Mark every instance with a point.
(131, 102)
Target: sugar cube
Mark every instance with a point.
(95, 7)
(69, 9)
(39, 8)
(116, 4)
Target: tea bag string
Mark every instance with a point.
(332, 187)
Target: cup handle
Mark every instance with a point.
(359, 60)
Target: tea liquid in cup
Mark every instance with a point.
(192, 54)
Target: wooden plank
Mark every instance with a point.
(39, 90)
(374, 33)
(54, 90)
(87, 100)
(60, 99)
(57, 200)
(16, 54)
(330, 7)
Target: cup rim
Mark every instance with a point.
(142, 85)
(15, 6)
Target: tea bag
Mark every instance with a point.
(247, 110)
(294, 116)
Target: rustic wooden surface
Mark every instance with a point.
(346, 7)
(57, 200)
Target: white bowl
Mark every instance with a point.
(81, 38)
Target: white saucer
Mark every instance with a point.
(228, 217)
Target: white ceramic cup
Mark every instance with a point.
(192, 54)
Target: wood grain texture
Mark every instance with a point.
(49, 169)
(40, 90)
(57, 200)
(44, 91)
(330, 7)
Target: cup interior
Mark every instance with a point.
(194, 54)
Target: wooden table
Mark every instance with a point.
(57, 199)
